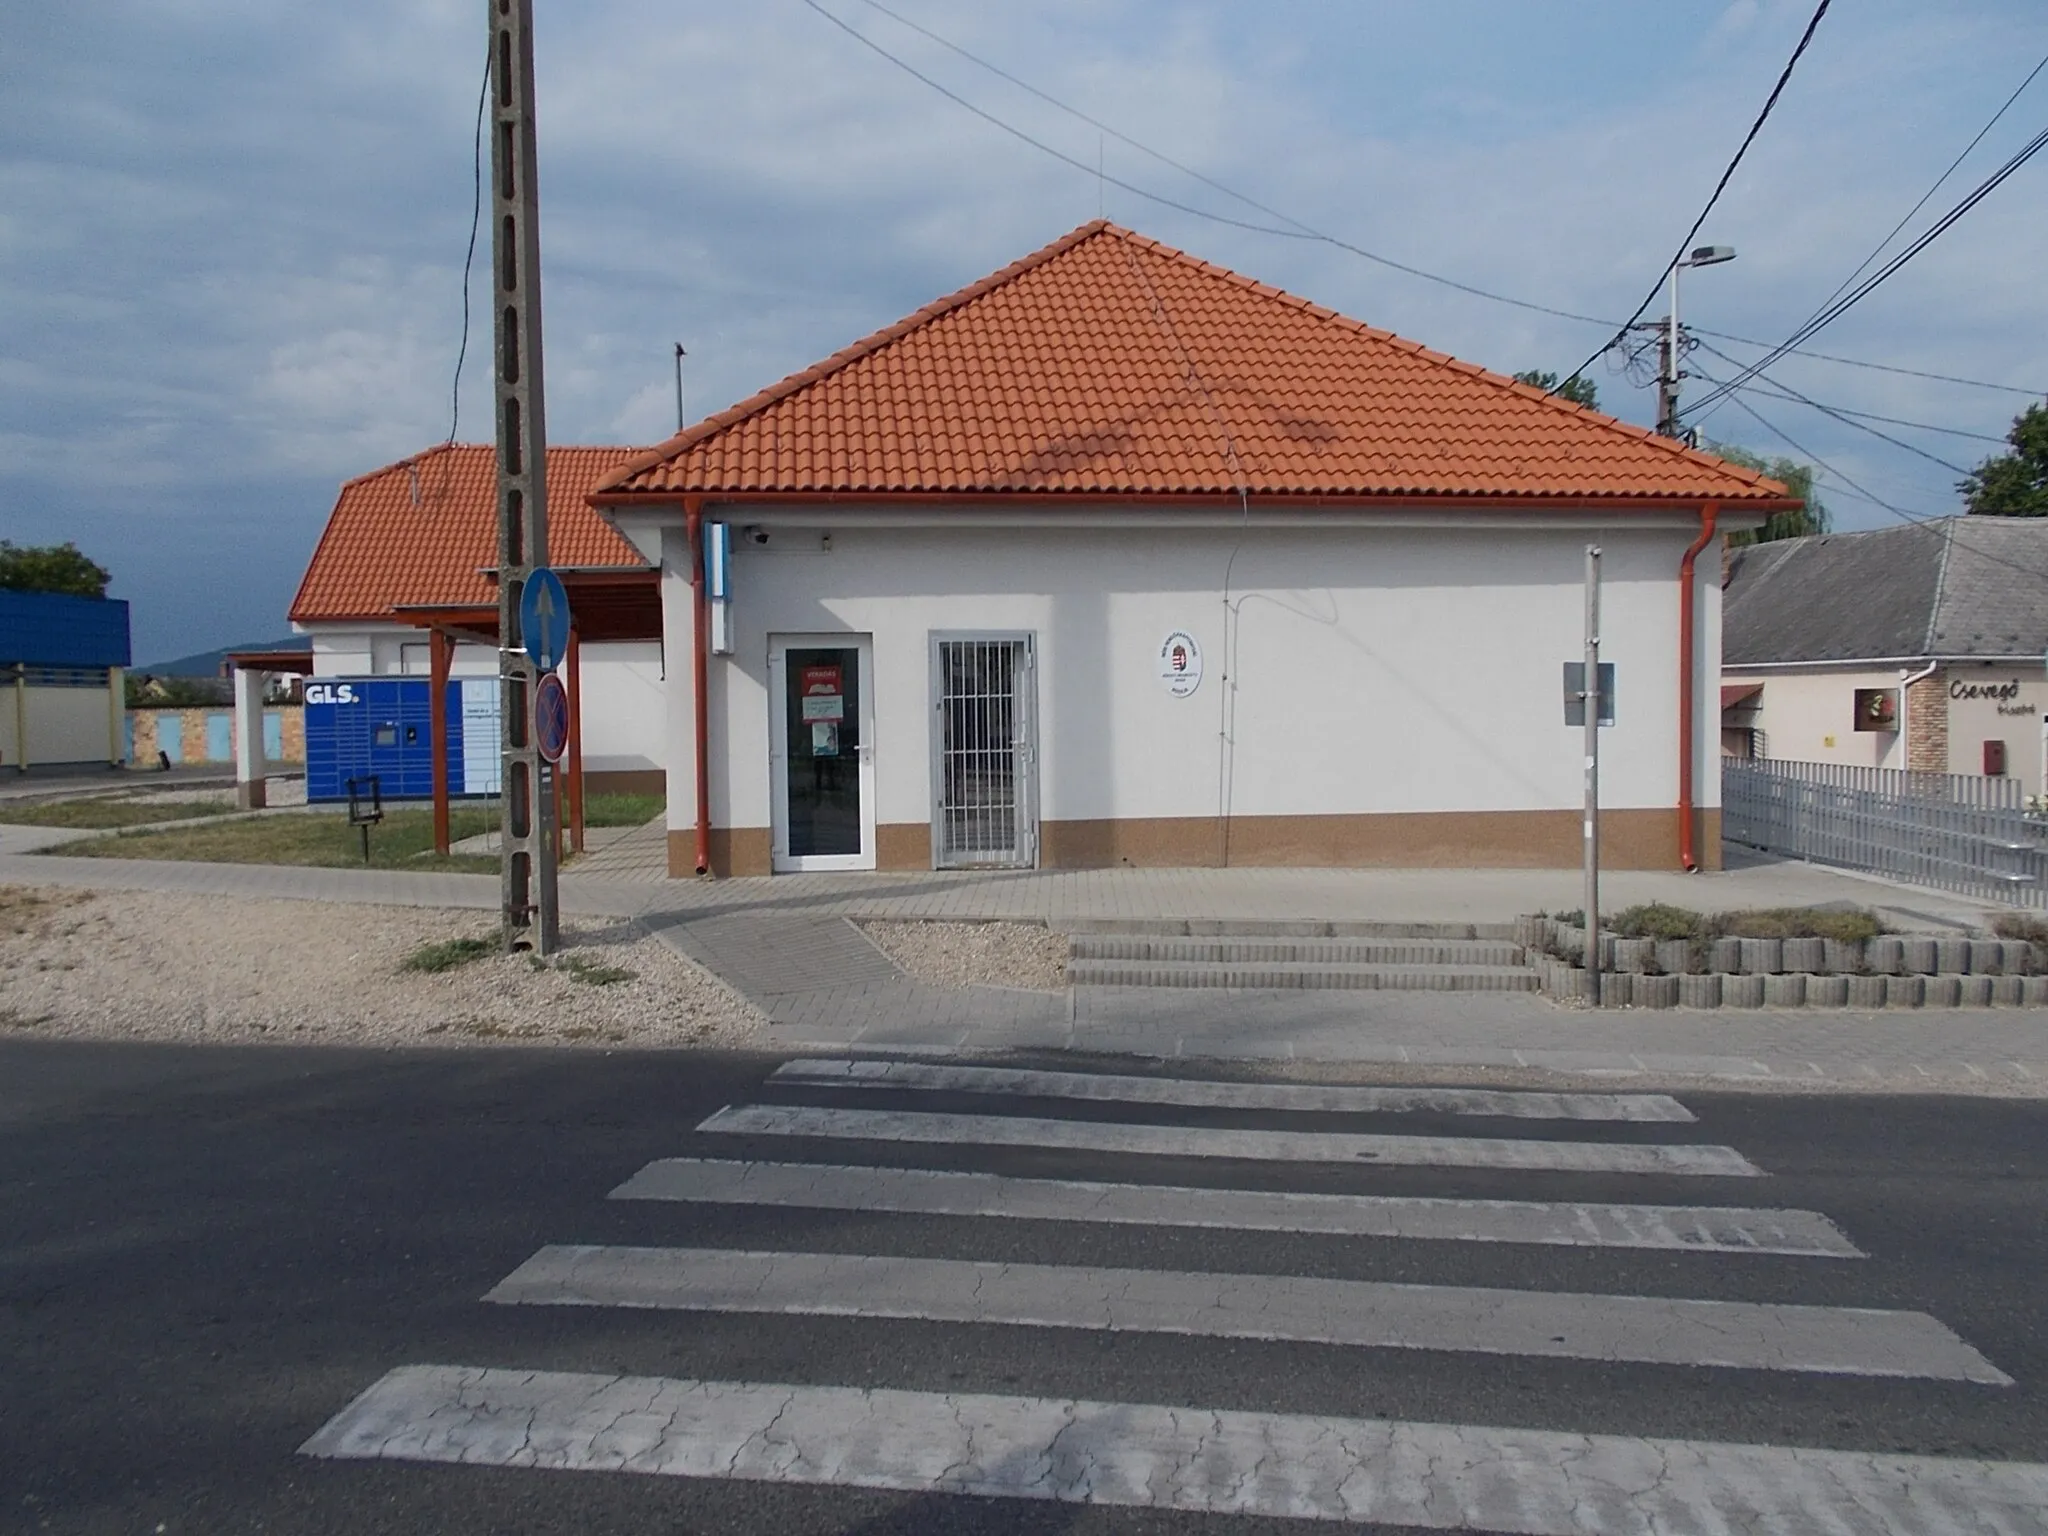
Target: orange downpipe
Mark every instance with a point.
(1688, 706)
(700, 646)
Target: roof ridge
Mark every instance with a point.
(1430, 354)
(916, 320)
(1948, 543)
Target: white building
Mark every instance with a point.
(1119, 558)
(1919, 646)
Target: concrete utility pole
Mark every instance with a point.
(530, 910)
(1591, 694)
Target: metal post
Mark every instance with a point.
(1592, 698)
(680, 355)
(1667, 366)
(529, 910)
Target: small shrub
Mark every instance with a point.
(1655, 920)
(2020, 925)
(1852, 926)
(447, 954)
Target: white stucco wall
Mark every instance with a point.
(1997, 703)
(1809, 716)
(623, 712)
(1371, 669)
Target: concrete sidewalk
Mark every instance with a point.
(791, 946)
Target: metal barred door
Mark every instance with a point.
(984, 751)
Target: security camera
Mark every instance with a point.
(755, 533)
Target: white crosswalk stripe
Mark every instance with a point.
(1265, 1146)
(1840, 1341)
(1425, 1476)
(1194, 1092)
(1216, 1458)
(935, 1192)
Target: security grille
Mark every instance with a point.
(983, 743)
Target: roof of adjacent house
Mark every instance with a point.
(1953, 586)
(423, 532)
(1109, 364)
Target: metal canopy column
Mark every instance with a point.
(529, 897)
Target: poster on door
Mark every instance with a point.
(822, 699)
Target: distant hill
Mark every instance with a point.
(208, 663)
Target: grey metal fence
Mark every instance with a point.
(1952, 831)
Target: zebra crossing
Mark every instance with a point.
(1217, 1458)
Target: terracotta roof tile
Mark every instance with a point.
(423, 531)
(1108, 363)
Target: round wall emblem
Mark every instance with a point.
(1180, 664)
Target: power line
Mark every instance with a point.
(1841, 306)
(1776, 391)
(1787, 392)
(1939, 182)
(476, 214)
(1720, 186)
(1299, 228)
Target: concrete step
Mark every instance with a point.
(1301, 976)
(1239, 949)
(1283, 928)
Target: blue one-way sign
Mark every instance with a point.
(544, 618)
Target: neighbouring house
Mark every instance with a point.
(1920, 646)
(1117, 557)
(61, 663)
(403, 586)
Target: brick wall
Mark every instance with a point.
(1927, 724)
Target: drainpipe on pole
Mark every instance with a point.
(1688, 705)
(700, 638)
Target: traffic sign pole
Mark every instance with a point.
(529, 908)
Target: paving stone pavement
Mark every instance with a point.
(788, 945)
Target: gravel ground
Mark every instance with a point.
(151, 966)
(976, 954)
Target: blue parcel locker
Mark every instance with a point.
(360, 726)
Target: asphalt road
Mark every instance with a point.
(206, 1254)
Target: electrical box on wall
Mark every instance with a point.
(718, 585)
(1877, 709)
(1994, 759)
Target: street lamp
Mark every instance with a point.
(1668, 373)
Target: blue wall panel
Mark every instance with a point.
(49, 629)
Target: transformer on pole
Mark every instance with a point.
(530, 911)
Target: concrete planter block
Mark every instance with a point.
(1654, 991)
(1827, 991)
(1954, 956)
(1634, 955)
(1786, 991)
(2008, 991)
(1943, 992)
(1803, 954)
(1529, 932)
(1922, 958)
(1987, 957)
(1762, 957)
(1977, 990)
(1614, 989)
(1699, 991)
(1866, 991)
(2016, 957)
(1742, 991)
(1904, 991)
(1725, 955)
(1841, 957)
(1570, 940)
(2034, 994)
(1674, 956)
(1885, 955)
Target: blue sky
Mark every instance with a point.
(231, 235)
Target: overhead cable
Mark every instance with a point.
(1786, 391)
(1720, 186)
(1298, 229)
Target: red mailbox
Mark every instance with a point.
(1994, 759)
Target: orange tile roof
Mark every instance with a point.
(424, 530)
(1108, 363)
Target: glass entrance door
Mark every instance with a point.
(823, 759)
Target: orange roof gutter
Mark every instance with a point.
(1710, 516)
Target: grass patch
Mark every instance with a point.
(23, 910)
(324, 839)
(447, 955)
(97, 812)
(621, 810)
(593, 973)
(1655, 920)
